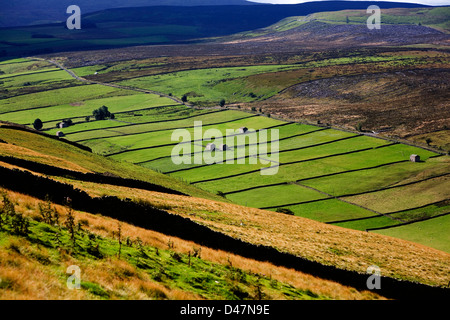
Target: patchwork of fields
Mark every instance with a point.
(348, 179)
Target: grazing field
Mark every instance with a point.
(274, 163)
(335, 176)
(206, 85)
(432, 232)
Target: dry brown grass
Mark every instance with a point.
(137, 285)
(31, 155)
(310, 239)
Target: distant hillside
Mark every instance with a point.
(23, 12)
(122, 27)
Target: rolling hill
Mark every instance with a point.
(181, 225)
(22, 13)
(124, 27)
(103, 193)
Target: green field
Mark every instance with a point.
(206, 85)
(433, 232)
(324, 174)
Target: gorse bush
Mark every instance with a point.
(12, 220)
(48, 213)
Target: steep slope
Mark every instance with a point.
(27, 144)
(325, 251)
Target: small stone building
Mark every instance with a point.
(414, 158)
(210, 146)
(63, 124)
(223, 147)
(243, 129)
(59, 134)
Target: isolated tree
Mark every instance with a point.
(184, 98)
(222, 103)
(37, 124)
(428, 141)
(101, 113)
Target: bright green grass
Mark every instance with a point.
(23, 66)
(142, 128)
(13, 61)
(434, 17)
(145, 140)
(275, 196)
(57, 97)
(356, 143)
(203, 84)
(140, 156)
(34, 78)
(307, 169)
(96, 163)
(329, 210)
(284, 132)
(83, 108)
(433, 233)
(159, 113)
(343, 146)
(424, 212)
(378, 178)
(303, 170)
(376, 222)
(405, 197)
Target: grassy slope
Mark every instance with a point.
(314, 168)
(436, 17)
(307, 238)
(436, 231)
(150, 265)
(29, 146)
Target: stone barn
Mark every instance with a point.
(210, 146)
(59, 134)
(223, 147)
(243, 129)
(62, 124)
(414, 158)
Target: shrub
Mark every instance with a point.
(37, 124)
(101, 113)
(285, 211)
(221, 194)
(48, 214)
